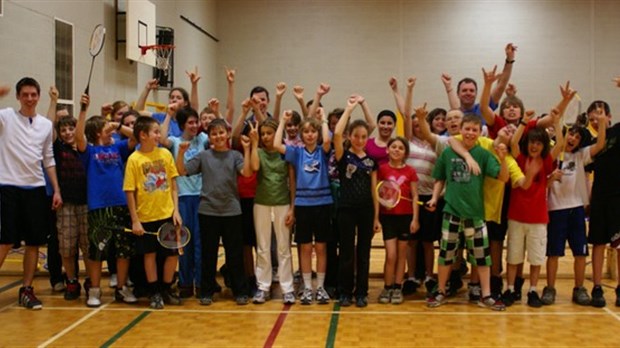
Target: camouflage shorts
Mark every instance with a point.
(105, 228)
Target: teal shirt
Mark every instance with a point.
(189, 185)
(272, 188)
(463, 189)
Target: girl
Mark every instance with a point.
(377, 147)
(527, 212)
(568, 194)
(273, 198)
(313, 198)
(358, 177)
(436, 119)
(219, 212)
(400, 222)
(189, 193)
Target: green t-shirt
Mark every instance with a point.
(463, 189)
(272, 180)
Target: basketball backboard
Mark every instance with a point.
(140, 30)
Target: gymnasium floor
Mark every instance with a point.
(224, 324)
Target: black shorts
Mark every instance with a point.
(497, 232)
(604, 219)
(25, 215)
(313, 223)
(148, 243)
(247, 221)
(396, 226)
(430, 222)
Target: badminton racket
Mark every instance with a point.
(97, 39)
(389, 194)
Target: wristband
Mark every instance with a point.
(523, 123)
(510, 61)
(120, 125)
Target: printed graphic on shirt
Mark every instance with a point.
(569, 168)
(155, 173)
(312, 166)
(107, 157)
(351, 168)
(460, 172)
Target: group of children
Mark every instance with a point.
(252, 183)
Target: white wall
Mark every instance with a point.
(357, 45)
(27, 41)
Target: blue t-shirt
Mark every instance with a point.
(476, 110)
(105, 169)
(189, 185)
(173, 129)
(312, 176)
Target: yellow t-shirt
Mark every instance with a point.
(493, 189)
(150, 175)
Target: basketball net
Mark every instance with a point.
(162, 56)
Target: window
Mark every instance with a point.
(64, 64)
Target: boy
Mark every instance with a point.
(464, 210)
(219, 213)
(152, 200)
(22, 186)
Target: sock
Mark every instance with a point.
(166, 286)
(397, 286)
(532, 289)
(387, 287)
(320, 279)
(153, 287)
(511, 288)
(307, 280)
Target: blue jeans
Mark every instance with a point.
(190, 262)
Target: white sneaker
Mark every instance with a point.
(125, 295)
(94, 297)
(113, 280)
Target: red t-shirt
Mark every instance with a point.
(501, 123)
(530, 206)
(403, 176)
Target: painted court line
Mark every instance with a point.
(277, 326)
(612, 313)
(124, 330)
(339, 312)
(333, 326)
(72, 326)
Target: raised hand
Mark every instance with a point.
(502, 150)
(616, 80)
(527, 116)
(230, 74)
(323, 89)
(286, 116)
(193, 75)
(447, 80)
(172, 108)
(106, 109)
(85, 101)
(246, 105)
(352, 101)
(184, 146)
(511, 90)
(491, 76)
(510, 49)
(360, 99)
(152, 84)
(393, 83)
(253, 134)
(214, 104)
(4, 90)
(298, 92)
(421, 113)
(280, 89)
(505, 134)
(245, 142)
(601, 118)
(567, 92)
(54, 94)
(320, 114)
(411, 81)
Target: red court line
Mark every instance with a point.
(277, 326)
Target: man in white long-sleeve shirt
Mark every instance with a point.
(25, 151)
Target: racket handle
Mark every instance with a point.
(82, 105)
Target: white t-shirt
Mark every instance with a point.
(26, 148)
(572, 191)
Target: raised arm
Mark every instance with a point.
(516, 138)
(230, 98)
(425, 129)
(238, 128)
(278, 145)
(254, 158)
(165, 126)
(502, 152)
(453, 98)
(141, 103)
(327, 141)
(80, 137)
(558, 147)
(298, 92)
(400, 105)
(246, 170)
(487, 112)
(602, 133)
(193, 79)
(567, 95)
(4, 90)
(370, 121)
(51, 110)
(180, 160)
(499, 89)
(280, 89)
(341, 125)
(322, 90)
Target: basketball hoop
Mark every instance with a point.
(162, 55)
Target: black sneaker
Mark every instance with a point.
(508, 298)
(598, 300)
(409, 287)
(361, 301)
(186, 291)
(73, 290)
(345, 301)
(28, 299)
(242, 300)
(431, 287)
(170, 297)
(533, 300)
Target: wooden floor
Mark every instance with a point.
(224, 324)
